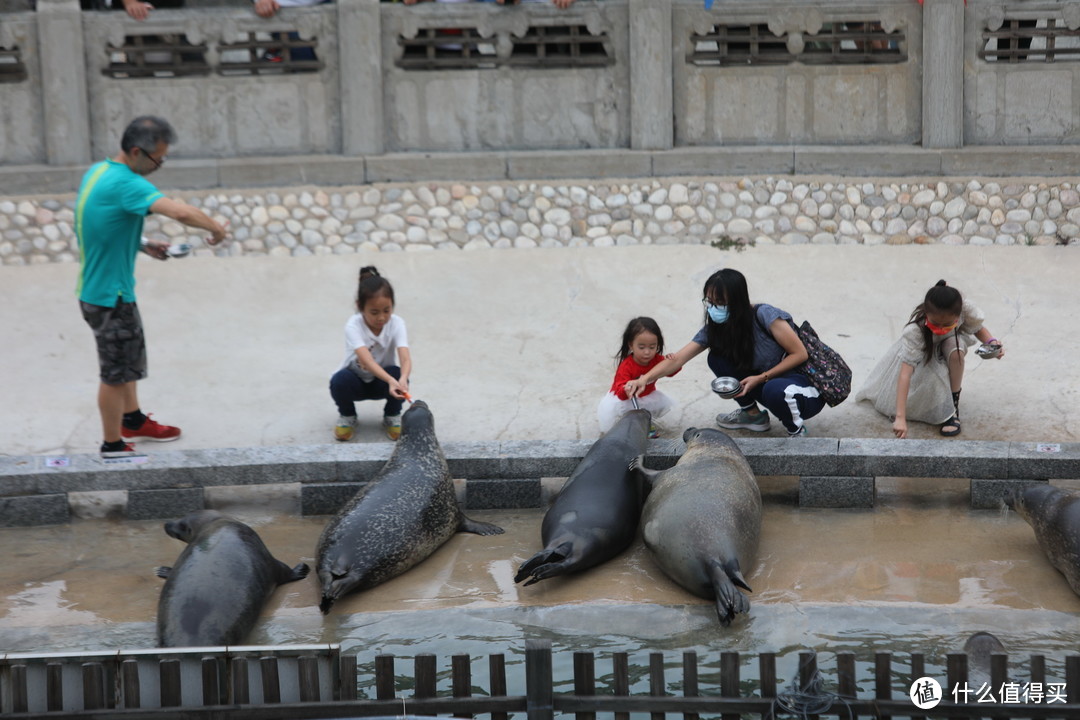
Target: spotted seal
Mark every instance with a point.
(398, 519)
(702, 520)
(595, 516)
(1054, 515)
(214, 593)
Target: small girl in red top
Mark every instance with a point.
(642, 349)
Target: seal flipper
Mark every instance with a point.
(729, 601)
(644, 475)
(546, 563)
(162, 571)
(286, 574)
(480, 528)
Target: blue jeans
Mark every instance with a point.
(791, 397)
(346, 388)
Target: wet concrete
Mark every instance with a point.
(920, 568)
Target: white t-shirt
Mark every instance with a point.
(383, 347)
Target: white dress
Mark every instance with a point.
(930, 396)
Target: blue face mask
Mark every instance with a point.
(718, 313)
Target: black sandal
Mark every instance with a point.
(951, 427)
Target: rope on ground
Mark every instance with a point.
(813, 699)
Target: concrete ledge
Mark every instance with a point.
(154, 504)
(837, 492)
(597, 164)
(412, 167)
(988, 494)
(34, 510)
(326, 498)
(499, 475)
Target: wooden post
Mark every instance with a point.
(308, 677)
(271, 683)
(845, 676)
(170, 682)
(807, 674)
(657, 685)
(129, 674)
(690, 679)
(729, 679)
(211, 681)
(1072, 678)
(20, 699)
(620, 680)
(999, 672)
(54, 686)
(93, 686)
(497, 675)
(956, 671)
(241, 693)
(347, 678)
(384, 677)
(425, 676)
(585, 680)
(767, 673)
(538, 690)
(918, 670)
(461, 678)
(1038, 669)
(883, 678)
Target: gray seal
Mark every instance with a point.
(1054, 515)
(397, 520)
(214, 593)
(595, 516)
(702, 520)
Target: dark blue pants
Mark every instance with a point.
(346, 388)
(791, 397)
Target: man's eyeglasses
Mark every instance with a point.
(157, 163)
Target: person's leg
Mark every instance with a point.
(792, 399)
(345, 389)
(748, 416)
(112, 403)
(954, 357)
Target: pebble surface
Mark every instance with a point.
(465, 216)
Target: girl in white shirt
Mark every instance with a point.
(377, 362)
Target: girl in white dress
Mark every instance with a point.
(921, 374)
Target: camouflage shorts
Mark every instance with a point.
(120, 342)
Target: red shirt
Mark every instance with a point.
(630, 370)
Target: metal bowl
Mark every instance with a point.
(726, 387)
(988, 350)
(179, 250)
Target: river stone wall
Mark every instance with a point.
(426, 216)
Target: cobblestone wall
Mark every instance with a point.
(305, 221)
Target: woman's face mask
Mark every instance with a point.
(717, 313)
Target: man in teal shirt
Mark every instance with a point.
(114, 198)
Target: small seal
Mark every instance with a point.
(980, 649)
(1054, 515)
(595, 516)
(702, 520)
(214, 593)
(397, 520)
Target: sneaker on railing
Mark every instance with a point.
(742, 420)
(151, 430)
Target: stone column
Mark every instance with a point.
(63, 74)
(943, 74)
(360, 48)
(652, 125)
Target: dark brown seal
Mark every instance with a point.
(214, 593)
(1054, 515)
(595, 516)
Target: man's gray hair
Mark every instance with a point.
(145, 132)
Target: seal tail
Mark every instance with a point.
(549, 562)
(729, 601)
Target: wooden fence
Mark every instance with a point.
(229, 696)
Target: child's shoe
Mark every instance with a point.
(653, 432)
(392, 425)
(118, 449)
(344, 429)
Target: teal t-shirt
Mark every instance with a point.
(113, 201)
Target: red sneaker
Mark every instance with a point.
(151, 430)
(127, 451)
